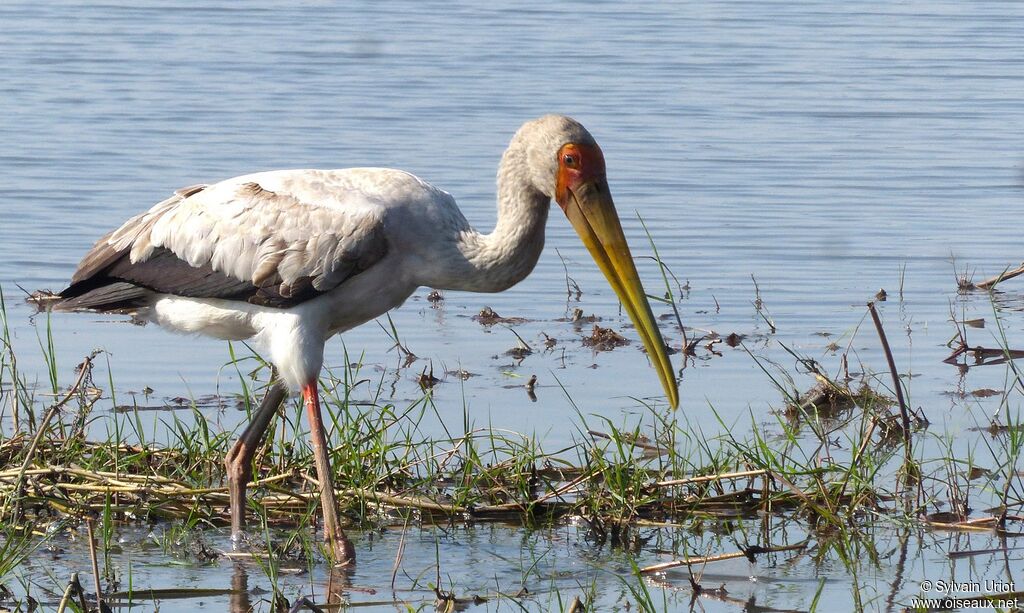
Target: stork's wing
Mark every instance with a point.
(234, 241)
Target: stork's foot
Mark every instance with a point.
(340, 549)
(239, 474)
(239, 541)
(344, 551)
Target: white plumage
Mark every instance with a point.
(284, 227)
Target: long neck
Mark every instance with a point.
(495, 262)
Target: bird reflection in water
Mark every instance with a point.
(241, 597)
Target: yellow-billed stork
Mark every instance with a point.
(289, 258)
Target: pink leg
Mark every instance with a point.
(344, 552)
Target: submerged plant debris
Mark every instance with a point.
(604, 339)
(488, 317)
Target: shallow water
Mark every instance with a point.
(826, 149)
(536, 569)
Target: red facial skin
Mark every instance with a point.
(577, 164)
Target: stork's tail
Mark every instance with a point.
(112, 297)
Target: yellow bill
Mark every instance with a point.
(583, 194)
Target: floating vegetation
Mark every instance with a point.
(604, 339)
(487, 317)
(579, 317)
(460, 374)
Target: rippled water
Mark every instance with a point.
(826, 149)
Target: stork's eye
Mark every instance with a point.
(569, 160)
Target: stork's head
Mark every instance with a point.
(566, 164)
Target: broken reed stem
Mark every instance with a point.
(897, 385)
(83, 371)
(864, 443)
(980, 524)
(565, 488)
(305, 603)
(95, 564)
(15, 406)
(404, 501)
(706, 478)
(68, 592)
(804, 497)
(74, 588)
(400, 553)
(749, 553)
(1003, 276)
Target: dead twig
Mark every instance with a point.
(1006, 275)
(406, 501)
(706, 478)
(74, 587)
(897, 385)
(980, 524)
(400, 553)
(985, 356)
(305, 603)
(95, 565)
(749, 553)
